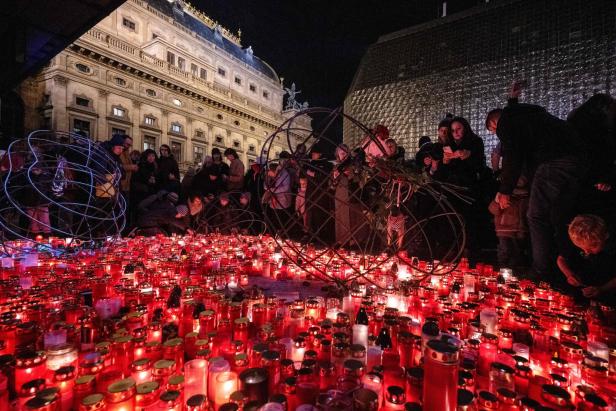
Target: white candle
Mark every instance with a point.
(488, 319)
(360, 334)
(374, 357)
(226, 384)
(347, 305)
(195, 378)
(216, 367)
(373, 382)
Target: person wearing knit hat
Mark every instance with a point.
(443, 132)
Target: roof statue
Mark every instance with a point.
(292, 103)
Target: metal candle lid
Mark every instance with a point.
(442, 351)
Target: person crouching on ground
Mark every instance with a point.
(589, 263)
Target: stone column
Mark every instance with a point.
(164, 126)
(59, 99)
(102, 111)
(209, 136)
(187, 155)
(135, 118)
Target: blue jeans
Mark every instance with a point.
(554, 189)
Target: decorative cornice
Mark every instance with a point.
(60, 80)
(162, 82)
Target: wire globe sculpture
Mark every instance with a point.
(353, 210)
(59, 184)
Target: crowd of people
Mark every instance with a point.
(547, 203)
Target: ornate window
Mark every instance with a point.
(219, 139)
(193, 69)
(176, 150)
(117, 131)
(129, 24)
(82, 101)
(252, 128)
(176, 102)
(176, 128)
(171, 58)
(238, 80)
(119, 112)
(81, 125)
(219, 116)
(222, 72)
(149, 143)
(83, 68)
(197, 154)
(251, 148)
(150, 92)
(120, 82)
(265, 94)
(236, 122)
(149, 121)
(199, 133)
(181, 63)
(203, 73)
(236, 144)
(253, 88)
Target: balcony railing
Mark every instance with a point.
(134, 53)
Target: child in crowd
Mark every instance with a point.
(396, 226)
(511, 228)
(589, 262)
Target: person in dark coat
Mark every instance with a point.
(319, 201)
(168, 170)
(553, 156)
(144, 182)
(157, 214)
(595, 122)
(212, 179)
(463, 156)
(253, 184)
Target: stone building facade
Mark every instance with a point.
(164, 73)
(465, 63)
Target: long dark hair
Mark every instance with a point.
(468, 131)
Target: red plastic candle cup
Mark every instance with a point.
(440, 388)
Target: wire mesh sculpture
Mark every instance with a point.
(348, 211)
(62, 185)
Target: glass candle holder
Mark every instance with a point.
(64, 380)
(225, 385)
(141, 370)
(254, 382)
(195, 375)
(147, 394)
(93, 402)
(216, 366)
(30, 365)
(121, 395)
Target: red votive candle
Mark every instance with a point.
(440, 386)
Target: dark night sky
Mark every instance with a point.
(318, 44)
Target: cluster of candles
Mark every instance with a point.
(175, 324)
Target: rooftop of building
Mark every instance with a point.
(488, 32)
(197, 22)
